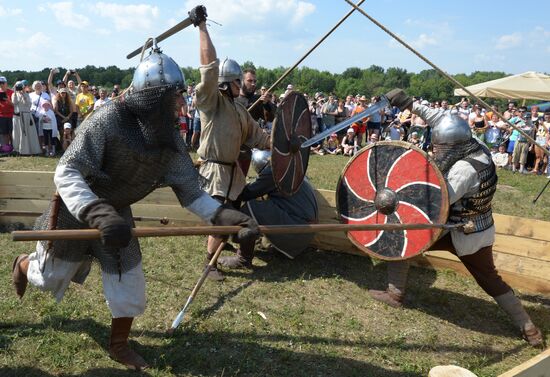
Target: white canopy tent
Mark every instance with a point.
(528, 85)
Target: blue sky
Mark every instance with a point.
(459, 36)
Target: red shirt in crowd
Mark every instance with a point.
(6, 106)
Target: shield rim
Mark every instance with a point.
(274, 127)
(443, 212)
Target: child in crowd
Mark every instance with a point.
(67, 135)
(350, 144)
(48, 124)
(332, 146)
(500, 157)
(414, 139)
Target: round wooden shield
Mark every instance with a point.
(291, 127)
(392, 182)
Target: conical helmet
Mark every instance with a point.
(158, 69)
(230, 70)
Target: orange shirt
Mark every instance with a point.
(359, 127)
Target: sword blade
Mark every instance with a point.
(168, 33)
(340, 126)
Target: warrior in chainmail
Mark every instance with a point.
(122, 152)
(226, 125)
(274, 208)
(471, 181)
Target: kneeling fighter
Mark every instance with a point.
(275, 209)
(471, 181)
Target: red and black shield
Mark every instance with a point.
(291, 127)
(392, 182)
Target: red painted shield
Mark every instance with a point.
(291, 127)
(392, 182)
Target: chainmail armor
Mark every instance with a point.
(477, 208)
(124, 151)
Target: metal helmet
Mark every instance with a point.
(230, 70)
(451, 129)
(260, 159)
(157, 69)
(446, 128)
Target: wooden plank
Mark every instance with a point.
(27, 178)
(506, 263)
(522, 247)
(522, 227)
(25, 192)
(32, 205)
(538, 366)
(515, 280)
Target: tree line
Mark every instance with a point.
(370, 81)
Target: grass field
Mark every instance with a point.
(319, 319)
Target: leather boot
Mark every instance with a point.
(243, 257)
(392, 297)
(513, 307)
(19, 274)
(397, 280)
(118, 345)
(214, 273)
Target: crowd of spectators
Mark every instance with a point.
(509, 148)
(42, 117)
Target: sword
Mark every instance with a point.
(340, 126)
(168, 33)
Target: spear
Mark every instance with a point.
(93, 234)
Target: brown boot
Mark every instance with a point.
(513, 307)
(19, 274)
(118, 345)
(214, 273)
(236, 261)
(243, 257)
(532, 334)
(390, 297)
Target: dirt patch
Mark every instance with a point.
(507, 188)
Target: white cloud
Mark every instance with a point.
(508, 41)
(33, 44)
(128, 17)
(65, 15)
(20, 30)
(539, 38)
(7, 12)
(424, 40)
(239, 11)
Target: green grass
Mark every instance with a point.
(320, 320)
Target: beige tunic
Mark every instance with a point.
(225, 126)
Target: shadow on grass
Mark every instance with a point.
(229, 354)
(465, 311)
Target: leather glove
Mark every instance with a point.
(198, 15)
(399, 98)
(115, 231)
(225, 215)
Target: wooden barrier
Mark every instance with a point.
(521, 250)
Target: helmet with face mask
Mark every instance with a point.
(260, 159)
